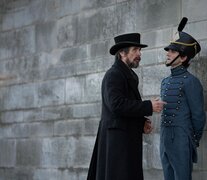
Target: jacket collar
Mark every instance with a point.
(131, 76)
(178, 70)
(127, 71)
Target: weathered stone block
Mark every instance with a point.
(7, 153)
(28, 152)
(161, 54)
(12, 116)
(75, 91)
(106, 3)
(4, 72)
(156, 120)
(202, 159)
(86, 110)
(89, 4)
(6, 131)
(7, 173)
(91, 126)
(32, 115)
(96, 24)
(51, 10)
(46, 36)
(21, 96)
(41, 174)
(54, 72)
(203, 53)
(18, 15)
(56, 174)
(24, 13)
(197, 68)
(66, 29)
(82, 175)
(152, 77)
(74, 54)
(37, 11)
(99, 49)
(164, 9)
(151, 151)
(201, 175)
(21, 70)
(197, 29)
(68, 7)
(198, 13)
(88, 28)
(8, 21)
(22, 18)
(153, 174)
(83, 152)
(58, 152)
(51, 93)
(124, 13)
(149, 57)
(69, 127)
(23, 173)
(156, 162)
(87, 67)
(51, 59)
(120, 1)
(157, 38)
(93, 87)
(108, 22)
(25, 130)
(17, 43)
(57, 113)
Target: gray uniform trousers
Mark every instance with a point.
(176, 153)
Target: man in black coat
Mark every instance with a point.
(117, 153)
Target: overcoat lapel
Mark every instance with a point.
(130, 75)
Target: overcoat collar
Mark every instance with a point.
(130, 75)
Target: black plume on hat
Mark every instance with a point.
(186, 45)
(126, 40)
(182, 24)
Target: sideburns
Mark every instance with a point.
(125, 50)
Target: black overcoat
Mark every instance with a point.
(117, 153)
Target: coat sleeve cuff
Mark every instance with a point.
(147, 108)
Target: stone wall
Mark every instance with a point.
(53, 55)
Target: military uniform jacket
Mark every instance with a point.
(183, 93)
(117, 153)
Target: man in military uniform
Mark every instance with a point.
(183, 117)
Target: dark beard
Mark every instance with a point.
(132, 64)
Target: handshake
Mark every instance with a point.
(157, 105)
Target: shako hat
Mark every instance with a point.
(126, 40)
(185, 44)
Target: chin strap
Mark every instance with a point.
(172, 61)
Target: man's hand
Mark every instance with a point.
(148, 127)
(157, 105)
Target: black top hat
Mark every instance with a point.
(186, 45)
(126, 40)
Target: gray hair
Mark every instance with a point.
(118, 56)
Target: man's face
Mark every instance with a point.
(133, 57)
(171, 55)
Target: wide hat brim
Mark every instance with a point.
(125, 44)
